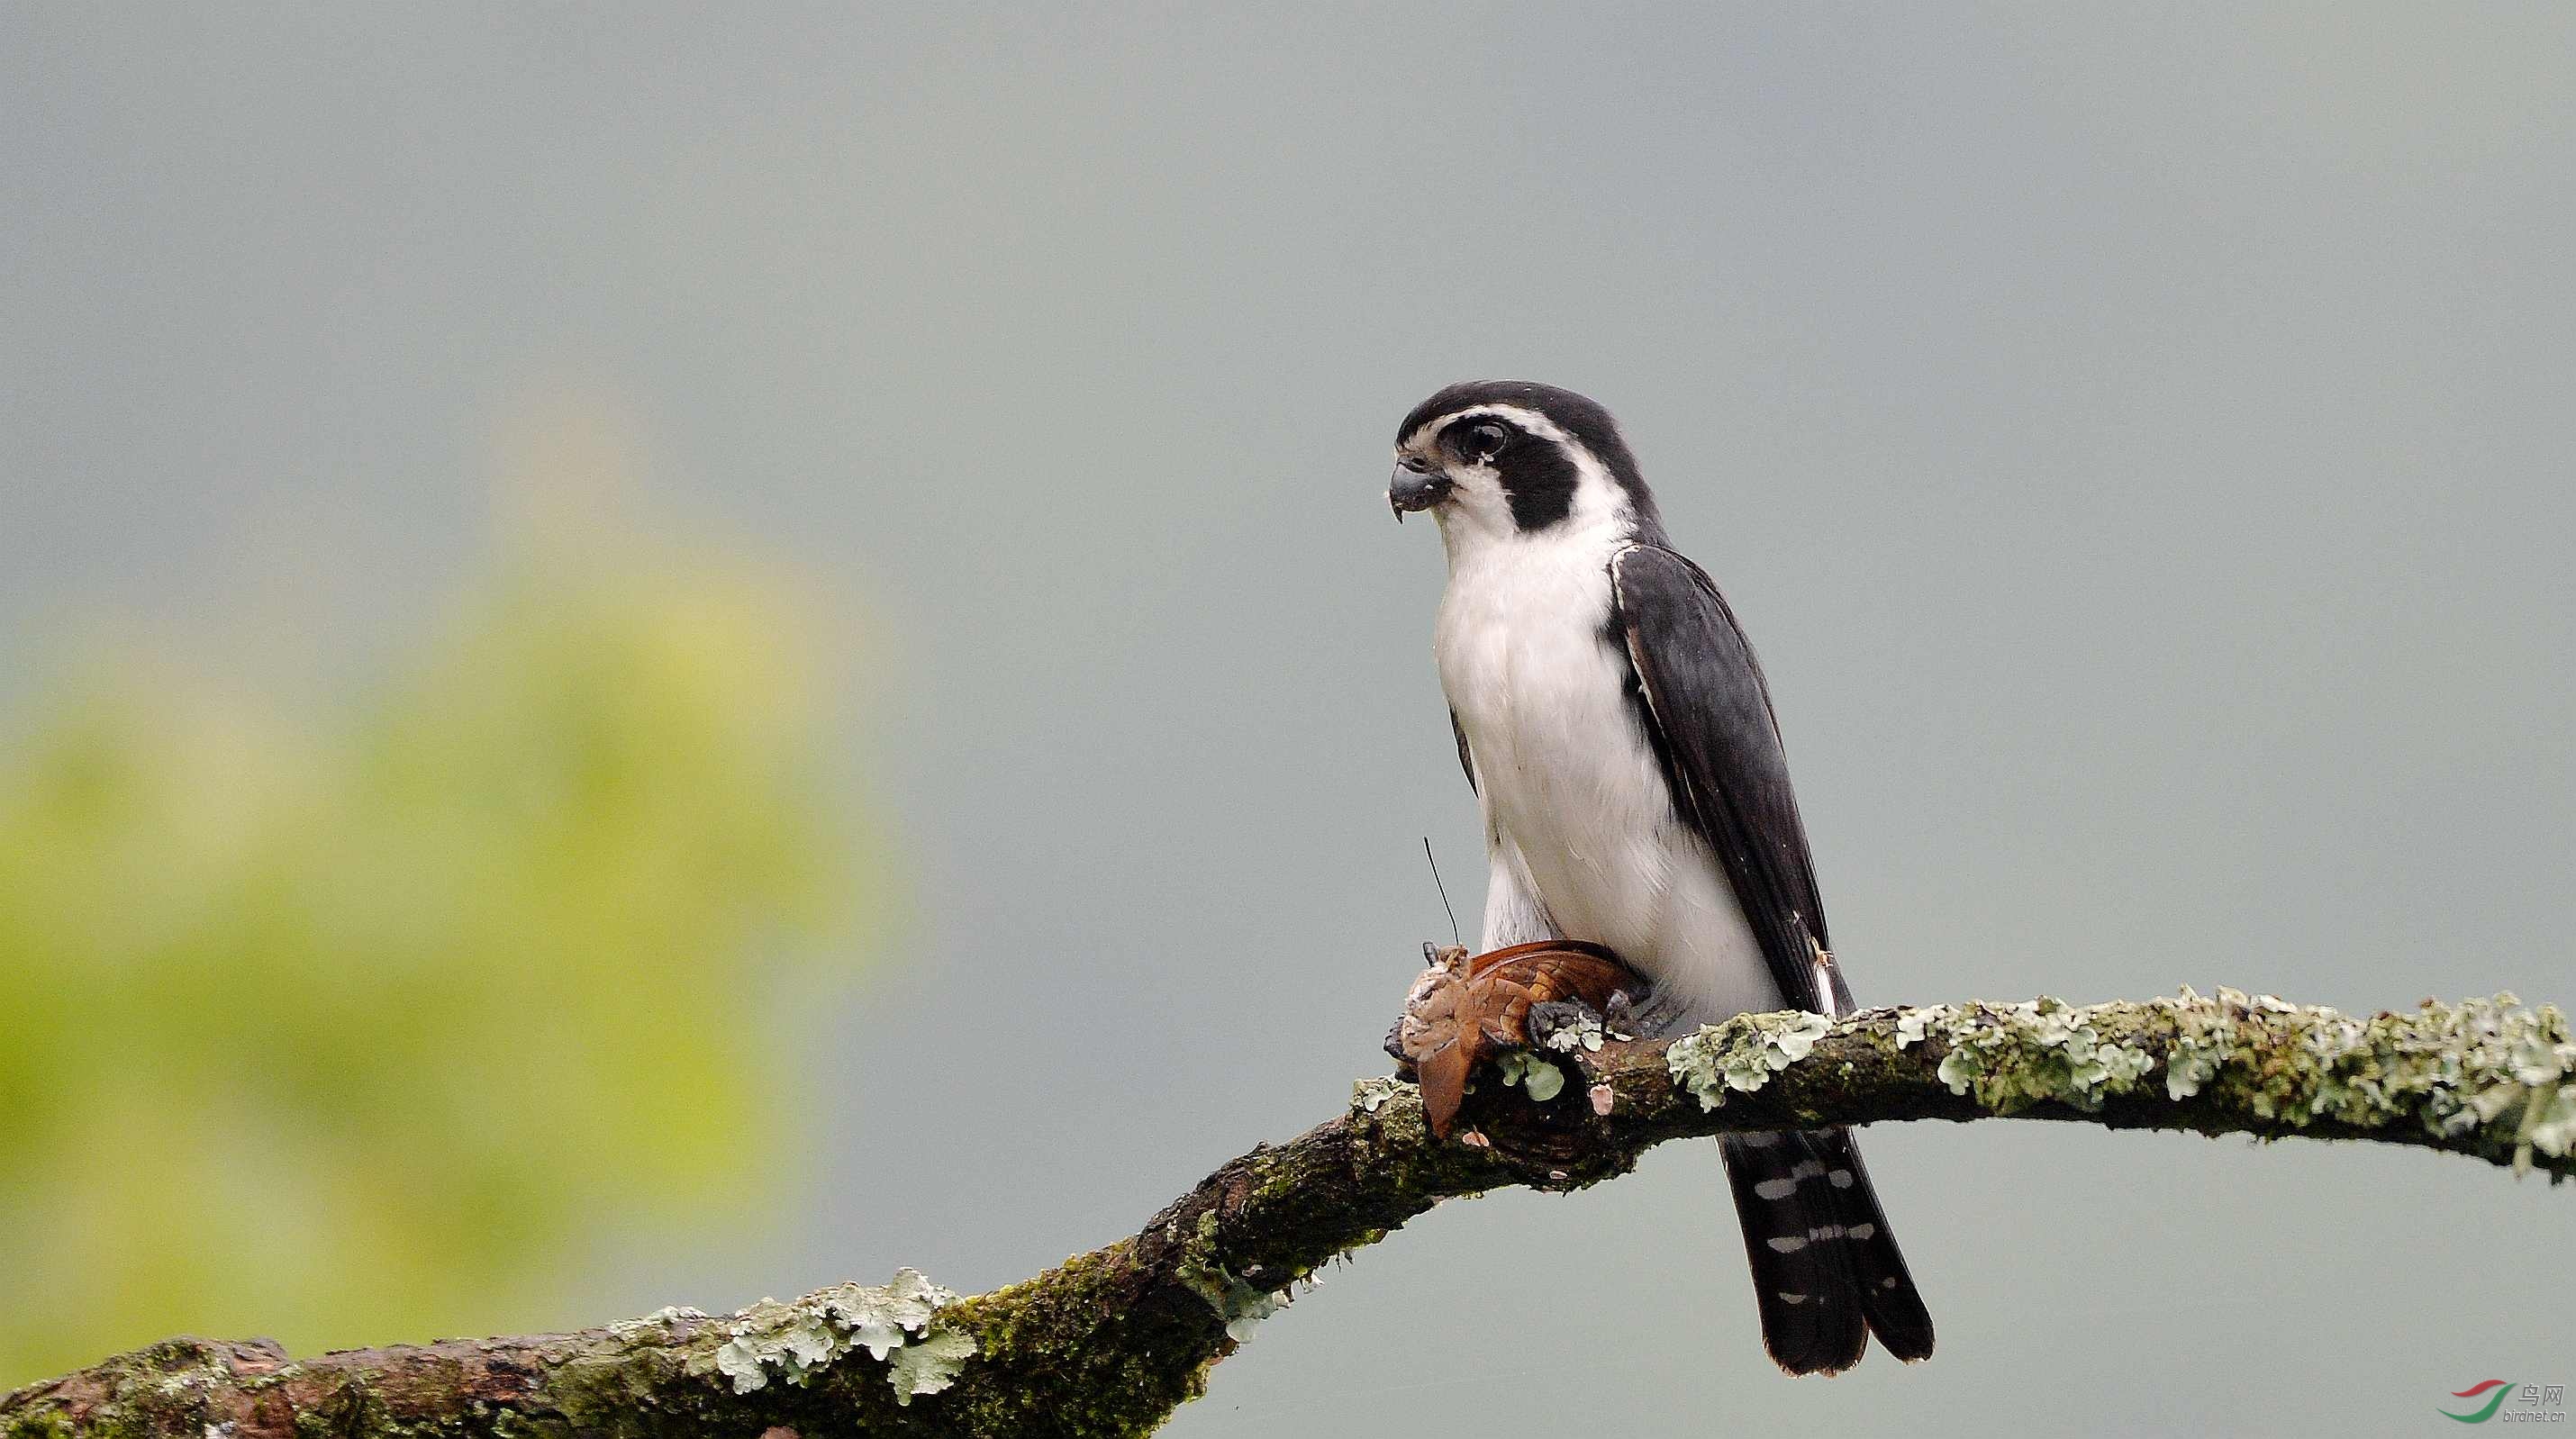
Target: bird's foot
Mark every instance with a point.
(1647, 1012)
(1553, 995)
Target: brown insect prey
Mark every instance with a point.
(1464, 1007)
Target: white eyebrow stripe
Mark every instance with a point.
(1521, 415)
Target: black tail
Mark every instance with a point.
(1826, 1270)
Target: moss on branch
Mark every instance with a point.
(1111, 1341)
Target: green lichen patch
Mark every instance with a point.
(2038, 1051)
(1742, 1054)
(669, 1316)
(798, 1338)
(2491, 1071)
(930, 1363)
(1539, 1079)
(1368, 1094)
(185, 1383)
(1240, 1305)
(2489, 1076)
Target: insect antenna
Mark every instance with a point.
(1444, 892)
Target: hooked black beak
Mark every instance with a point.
(1414, 490)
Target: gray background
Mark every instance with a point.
(2140, 445)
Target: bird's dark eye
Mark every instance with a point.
(1483, 440)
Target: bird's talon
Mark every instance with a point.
(1565, 1026)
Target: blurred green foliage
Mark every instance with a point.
(382, 1020)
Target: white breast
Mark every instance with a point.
(1566, 773)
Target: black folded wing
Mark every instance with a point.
(1708, 713)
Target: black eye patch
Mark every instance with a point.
(1539, 481)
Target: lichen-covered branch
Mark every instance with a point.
(1111, 1341)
